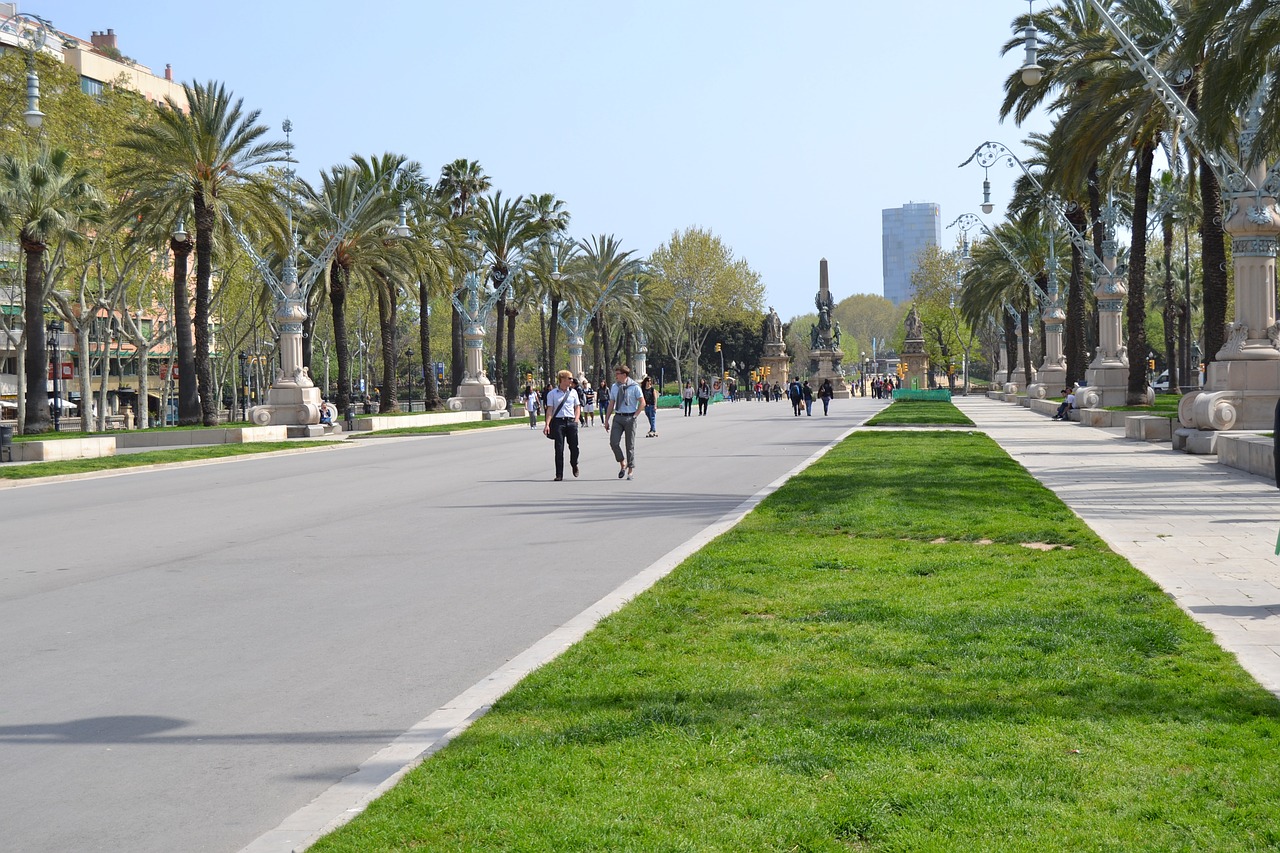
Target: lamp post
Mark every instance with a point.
(693, 357)
(576, 321)
(54, 329)
(244, 386)
(32, 33)
(294, 400)
(476, 393)
(408, 355)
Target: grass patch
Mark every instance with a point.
(1165, 405)
(55, 436)
(927, 412)
(151, 457)
(872, 660)
(438, 428)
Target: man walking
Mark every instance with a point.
(625, 401)
(563, 408)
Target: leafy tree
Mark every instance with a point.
(461, 182)
(937, 285)
(706, 283)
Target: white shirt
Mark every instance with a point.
(555, 395)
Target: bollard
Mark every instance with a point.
(351, 418)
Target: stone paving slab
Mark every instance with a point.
(1204, 532)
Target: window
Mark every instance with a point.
(90, 86)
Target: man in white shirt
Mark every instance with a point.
(625, 402)
(563, 408)
(1068, 403)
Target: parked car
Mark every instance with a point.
(1161, 385)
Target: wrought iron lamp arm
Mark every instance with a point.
(970, 220)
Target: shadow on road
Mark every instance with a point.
(149, 730)
(636, 505)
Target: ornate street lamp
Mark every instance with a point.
(1032, 72)
(32, 33)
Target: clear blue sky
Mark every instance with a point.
(785, 127)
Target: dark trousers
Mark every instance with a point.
(702, 405)
(566, 432)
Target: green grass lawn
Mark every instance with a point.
(920, 412)
(54, 436)
(151, 457)
(1166, 405)
(441, 428)
(872, 660)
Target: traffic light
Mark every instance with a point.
(726, 376)
(1151, 364)
(717, 348)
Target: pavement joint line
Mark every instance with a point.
(163, 466)
(347, 798)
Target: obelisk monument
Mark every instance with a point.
(825, 354)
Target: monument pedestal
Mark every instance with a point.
(290, 402)
(478, 395)
(826, 365)
(779, 363)
(1106, 385)
(917, 370)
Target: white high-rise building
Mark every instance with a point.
(907, 230)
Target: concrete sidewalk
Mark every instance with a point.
(1204, 532)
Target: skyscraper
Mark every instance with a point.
(907, 230)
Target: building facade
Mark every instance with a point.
(907, 231)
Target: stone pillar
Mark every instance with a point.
(1243, 384)
(293, 399)
(640, 368)
(1013, 386)
(576, 343)
(1051, 378)
(476, 393)
(1107, 377)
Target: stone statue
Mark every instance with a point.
(813, 336)
(835, 334)
(773, 327)
(915, 328)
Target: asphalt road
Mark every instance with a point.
(191, 655)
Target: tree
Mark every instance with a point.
(937, 283)
(204, 159)
(460, 183)
(45, 199)
(708, 285)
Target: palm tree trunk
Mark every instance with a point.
(455, 356)
(1010, 346)
(512, 383)
(205, 218)
(188, 396)
(338, 276)
(431, 391)
(1137, 319)
(553, 331)
(37, 366)
(500, 384)
(1172, 314)
(389, 401)
(1077, 357)
(1213, 255)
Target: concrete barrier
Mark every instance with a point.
(212, 435)
(1248, 452)
(58, 450)
(1102, 418)
(1148, 428)
(375, 422)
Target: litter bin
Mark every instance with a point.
(351, 418)
(6, 444)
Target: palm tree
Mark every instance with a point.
(605, 267)
(436, 252)
(204, 158)
(45, 199)
(504, 230)
(460, 183)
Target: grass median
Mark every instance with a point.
(151, 457)
(910, 646)
(440, 429)
(920, 412)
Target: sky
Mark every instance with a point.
(783, 127)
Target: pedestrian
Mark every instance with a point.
(686, 395)
(1068, 403)
(531, 405)
(806, 394)
(704, 397)
(650, 405)
(625, 400)
(602, 396)
(825, 393)
(563, 410)
(796, 395)
(588, 404)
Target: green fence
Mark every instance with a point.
(911, 395)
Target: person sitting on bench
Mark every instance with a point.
(1068, 403)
